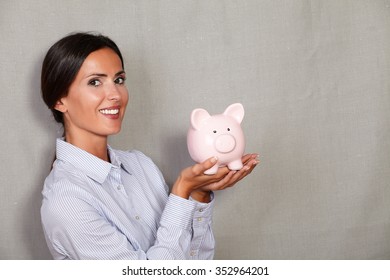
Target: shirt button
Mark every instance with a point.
(118, 187)
(199, 219)
(193, 253)
(201, 210)
(137, 217)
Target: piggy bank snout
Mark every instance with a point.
(225, 143)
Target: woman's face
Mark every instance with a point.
(97, 98)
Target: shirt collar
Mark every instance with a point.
(94, 167)
(116, 160)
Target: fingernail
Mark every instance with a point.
(214, 160)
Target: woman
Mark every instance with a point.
(102, 203)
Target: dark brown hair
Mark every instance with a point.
(63, 61)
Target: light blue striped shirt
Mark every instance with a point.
(93, 209)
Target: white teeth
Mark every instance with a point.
(109, 112)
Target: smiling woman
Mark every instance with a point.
(96, 102)
(102, 203)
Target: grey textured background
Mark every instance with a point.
(313, 77)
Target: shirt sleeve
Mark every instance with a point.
(203, 242)
(188, 223)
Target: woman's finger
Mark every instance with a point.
(248, 157)
(234, 176)
(199, 168)
(221, 184)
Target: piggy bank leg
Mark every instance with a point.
(235, 165)
(212, 170)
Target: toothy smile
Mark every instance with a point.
(109, 111)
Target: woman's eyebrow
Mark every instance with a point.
(120, 73)
(96, 75)
(104, 75)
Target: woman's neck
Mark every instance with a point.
(96, 145)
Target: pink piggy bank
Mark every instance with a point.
(218, 135)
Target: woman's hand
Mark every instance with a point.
(193, 182)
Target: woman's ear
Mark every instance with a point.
(60, 106)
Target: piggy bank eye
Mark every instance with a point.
(228, 129)
(214, 131)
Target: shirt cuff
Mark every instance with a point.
(178, 212)
(203, 212)
(187, 213)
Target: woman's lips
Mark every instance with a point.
(109, 111)
(112, 112)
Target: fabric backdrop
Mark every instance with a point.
(312, 75)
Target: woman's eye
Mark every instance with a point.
(94, 83)
(120, 80)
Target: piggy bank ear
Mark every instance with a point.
(198, 116)
(236, 111)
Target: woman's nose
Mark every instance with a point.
(114, 93)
